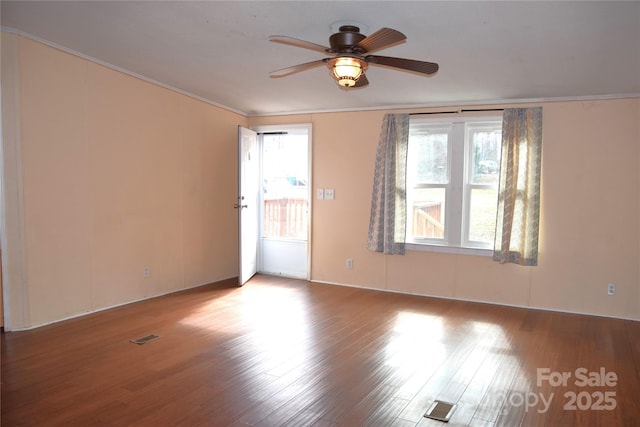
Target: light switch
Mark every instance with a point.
(320, 193)
(328, 194)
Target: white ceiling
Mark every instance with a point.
(219, 50)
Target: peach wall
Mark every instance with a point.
(105, 173)
(13, 266)
(589, 219)
(56, 188)
(117, 174)
(590, 207)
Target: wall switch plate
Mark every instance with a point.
(329, 194)
(320, 193)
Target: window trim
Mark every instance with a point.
(446, 249)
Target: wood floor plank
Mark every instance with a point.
(289, 352)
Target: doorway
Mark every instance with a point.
(285, 174)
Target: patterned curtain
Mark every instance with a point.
(387, 224)
(518, 215)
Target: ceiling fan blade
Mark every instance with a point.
(299, 43)
(296, 68)
(362, 81)
(423, 67)
(381, 39)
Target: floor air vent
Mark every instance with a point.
(440, 411)
(145, 339)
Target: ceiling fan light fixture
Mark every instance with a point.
(347, 70)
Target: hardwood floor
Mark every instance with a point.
(288, 352)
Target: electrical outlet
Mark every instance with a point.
(349, 263)
(611, 289)
(145, 272)
(320, 193)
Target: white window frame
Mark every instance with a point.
(457, 190)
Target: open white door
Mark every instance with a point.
(248, 203)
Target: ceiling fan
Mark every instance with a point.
(350, 55)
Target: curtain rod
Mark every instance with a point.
(458, 111)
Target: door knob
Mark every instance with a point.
(237, 206)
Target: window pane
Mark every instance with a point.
(482, 221)
(428, 154)
(427, 213)
(485, 156)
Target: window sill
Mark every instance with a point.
(448, 249)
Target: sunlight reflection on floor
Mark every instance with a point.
(274, 317)
(279, 323)
(416, 341)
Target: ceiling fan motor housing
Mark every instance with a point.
(346, 41)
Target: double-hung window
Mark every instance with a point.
(453, 169)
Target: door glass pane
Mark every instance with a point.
(482, 220)
(427, 213)
(285, 186)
